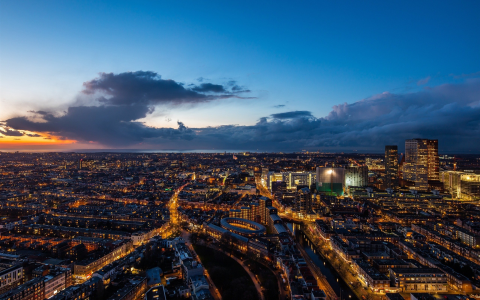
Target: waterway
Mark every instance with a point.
(335, 281)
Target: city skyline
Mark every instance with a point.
(315, 77)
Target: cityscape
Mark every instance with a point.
(305, 225)
(239, 150)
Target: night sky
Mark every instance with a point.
(247, 75)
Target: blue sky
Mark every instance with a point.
(307, 56)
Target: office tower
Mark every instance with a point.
(433, 160)
(291, 179)
(303, 201)
(330, 180)
(421, 162)
(391, 165)
(356, 176)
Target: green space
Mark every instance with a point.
(267, 279)
(229, 277)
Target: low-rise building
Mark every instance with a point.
(422, 280)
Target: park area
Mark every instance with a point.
(266, 277)
(229, 277)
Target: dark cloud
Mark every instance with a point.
(33, 135)
(450, 113)
(279, 106)
(148, 88)
(124, 98)
(108, 125)
(292, 114)
(10, 132)
(209, 87)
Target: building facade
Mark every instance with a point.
(421, 162)
(330, 180)
(356, 176)
(391, 165)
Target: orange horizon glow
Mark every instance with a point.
(10, 142)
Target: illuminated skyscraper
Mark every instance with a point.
(391, 165)
(421, 162)
(433, 161)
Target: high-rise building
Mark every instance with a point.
(356, 176)
(391, 165)
(303, 201)
(433, 160)
(264, 202)
(255, 212)
(421, 162)
(330, 180)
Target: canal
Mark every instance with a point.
(335, 281)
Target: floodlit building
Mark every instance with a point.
(356, 176)
(330, 180)
(292, 179)
(462, 185)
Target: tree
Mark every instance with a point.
(184, 225)
(193, 238)
(226, 241)
(202, 236)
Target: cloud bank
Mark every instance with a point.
(116, 102)
(449, 112)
